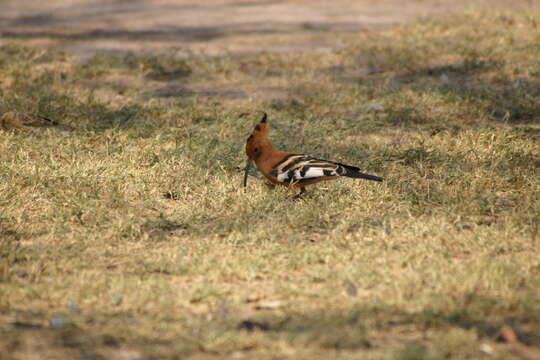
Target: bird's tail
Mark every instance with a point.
(354, 172)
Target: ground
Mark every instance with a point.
(214, 27)
(125, 232)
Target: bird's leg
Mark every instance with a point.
(297, 195)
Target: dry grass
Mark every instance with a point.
(131, 237)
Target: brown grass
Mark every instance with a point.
(131, 237)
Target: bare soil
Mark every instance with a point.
(213, 27)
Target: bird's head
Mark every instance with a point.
(257, 139)
(256, 143)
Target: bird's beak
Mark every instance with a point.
(246, 170)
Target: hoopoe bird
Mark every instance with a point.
(291, 169)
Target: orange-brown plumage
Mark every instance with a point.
(292, 169)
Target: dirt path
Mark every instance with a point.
(84, 27)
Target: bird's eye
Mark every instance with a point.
(256, 149)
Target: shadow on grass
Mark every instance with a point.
(82, 113)
(362, 326)
(512, 101)
(20, 28)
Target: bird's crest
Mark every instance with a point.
(261, 129)
(257, 140)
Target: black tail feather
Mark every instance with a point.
(355, 173)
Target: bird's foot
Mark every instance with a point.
(294, 197)
(297, 196)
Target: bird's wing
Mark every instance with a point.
(298, 168)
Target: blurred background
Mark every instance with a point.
(212, 27)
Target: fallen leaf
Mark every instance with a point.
(516, 347)
(486, 349)
(17, 120)
(269, 305)
(254, 298)
(21, 120)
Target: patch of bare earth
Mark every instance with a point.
(84, 27)
(187, 28)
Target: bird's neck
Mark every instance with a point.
(267, 150)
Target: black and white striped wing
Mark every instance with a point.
(297, 168)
